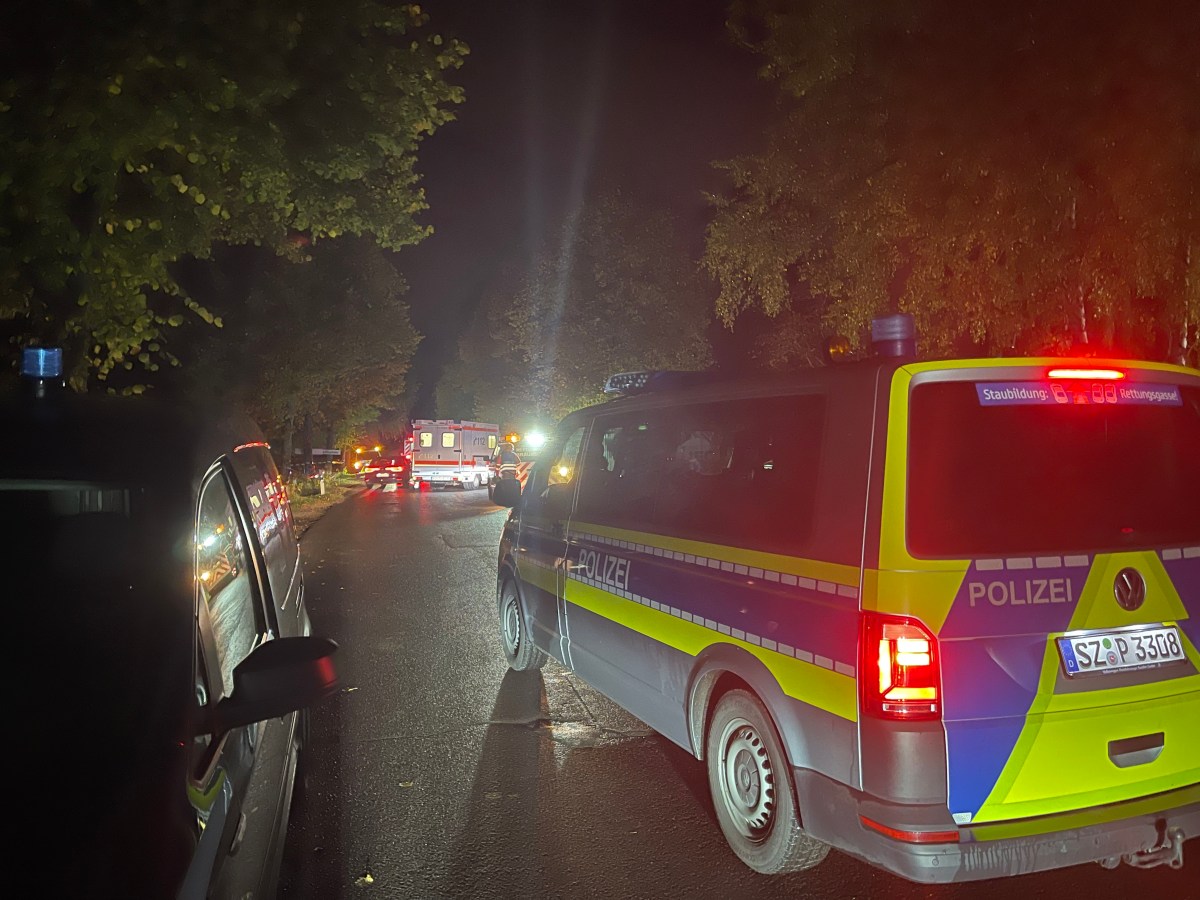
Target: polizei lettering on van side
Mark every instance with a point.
(610, 570)
(1021, 592)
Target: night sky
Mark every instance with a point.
(563, 98)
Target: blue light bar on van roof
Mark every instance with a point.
(626, 382)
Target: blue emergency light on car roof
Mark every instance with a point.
(41, 362)
(42, 371)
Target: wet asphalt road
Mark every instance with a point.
(436, 772)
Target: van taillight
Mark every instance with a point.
(1087, 374)
(899, 673)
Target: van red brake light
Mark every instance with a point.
(900, 670)
(1087, 374)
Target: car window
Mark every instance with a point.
(271, 514)
(225, 581)
(557, 467)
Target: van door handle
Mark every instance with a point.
(1136, 751)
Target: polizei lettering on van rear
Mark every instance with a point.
(1021, 592)
(612, 571)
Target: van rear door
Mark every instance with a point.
(1070, 506)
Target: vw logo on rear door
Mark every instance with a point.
(1130, 589)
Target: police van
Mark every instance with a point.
(942, 615)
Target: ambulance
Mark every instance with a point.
(451, 453)
(940, 615)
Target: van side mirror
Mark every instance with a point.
(278, 677)
(507, 492)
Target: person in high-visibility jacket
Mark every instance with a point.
(507, 460)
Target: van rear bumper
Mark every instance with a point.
(831, 813)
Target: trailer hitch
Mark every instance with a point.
(1167, 850)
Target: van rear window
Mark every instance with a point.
(990, 478)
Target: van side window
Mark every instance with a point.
(543, 496)
(621, 467)
(740, 472)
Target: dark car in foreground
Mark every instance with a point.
(160, 656)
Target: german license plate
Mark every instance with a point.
(1115, 651)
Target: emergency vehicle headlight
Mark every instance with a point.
(534, 440)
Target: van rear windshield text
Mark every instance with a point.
(1081, 393)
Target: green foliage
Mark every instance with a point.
(1021, 178)
(325, 343)
(613, 291)
(136, 134)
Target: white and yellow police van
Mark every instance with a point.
(940, 615)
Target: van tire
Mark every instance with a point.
(752, 792)
(519, 650)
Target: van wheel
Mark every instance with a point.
(519, 650)
(751, 784)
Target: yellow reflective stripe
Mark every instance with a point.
(539, 576)
(923, 588)
(927, 595)
(1096, 608)
(807, 682)
(1143, 806)
(776, 562)
(1034, 782)
(1036, 362)
(202, 798)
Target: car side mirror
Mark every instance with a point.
(507, 492)
(278, 677)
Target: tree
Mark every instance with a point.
(319, 345)
(139, 133)
(1021, 178)
(614, 290)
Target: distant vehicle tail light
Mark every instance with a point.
(900, 670)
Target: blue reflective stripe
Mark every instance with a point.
(810, 623)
